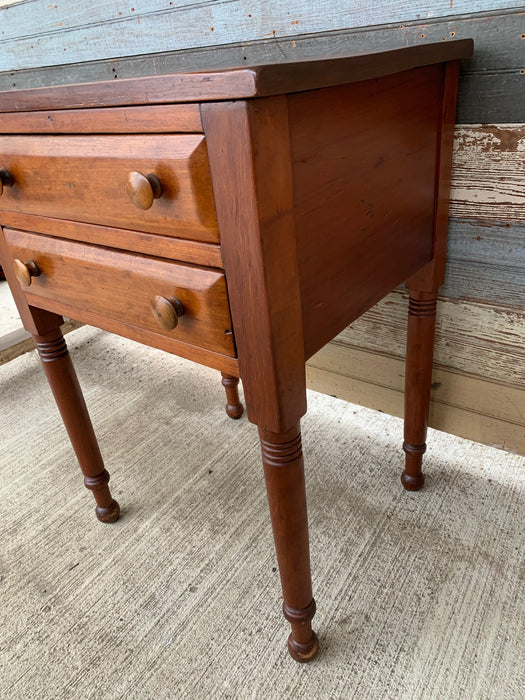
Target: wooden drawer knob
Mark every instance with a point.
(25, 271)
(5, 180)
(167, 311)
(143, 189)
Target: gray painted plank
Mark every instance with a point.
(498, 44)
(38, 33)
(492, 98)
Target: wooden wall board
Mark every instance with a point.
(488, 179)
(472, 338)
(448, 387)
(497, 96)
(487, 242)
(486, 251)
(486, 262)
(491, 86)
(18, 342)
(451, 419)
(493, 284)
(65, 31)
(497, 37)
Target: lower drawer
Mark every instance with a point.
(136, 290)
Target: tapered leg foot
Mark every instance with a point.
(284, 475)
(64, 384)
(234, 407)
(418, 381)
(412, 477)
(300, 621)
(99, 486)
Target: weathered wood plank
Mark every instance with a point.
(488, 178)
(472, 338)
(451, 419)
(485, 95)
(493, 284)
(486, 262)
(498, 96)
(19, 342)
(497, 39)
(487, 242)
(65, 31)
(452, 388)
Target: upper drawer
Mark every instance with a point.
(85, 178)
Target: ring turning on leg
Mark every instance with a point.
(418, 381)
(234, 407)
(284, 474)
(64, 384)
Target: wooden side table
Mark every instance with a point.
(240, 219)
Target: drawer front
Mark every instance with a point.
(123, 287)
(85, 178)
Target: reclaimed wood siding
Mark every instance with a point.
(489, 81)
(478, 389)
(66, 31)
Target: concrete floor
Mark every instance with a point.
(419, 595)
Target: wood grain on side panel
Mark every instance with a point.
(363, 192)
(480, 337)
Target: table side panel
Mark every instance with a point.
(364, 167)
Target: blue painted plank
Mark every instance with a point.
(486, 262)
(487, 243)
(489, 284)
(38, 33)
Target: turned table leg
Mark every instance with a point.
(284, 474)
(64, 384)
(234, 407)
(418, 382)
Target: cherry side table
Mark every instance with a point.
(241, 219)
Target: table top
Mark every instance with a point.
(236, 83)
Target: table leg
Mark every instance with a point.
(418, 382)
(64, 384)
(284, 474)
(234, 407)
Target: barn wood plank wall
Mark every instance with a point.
(480, 354)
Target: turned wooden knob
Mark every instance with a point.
(5, 179)
(167, 311)
(143, 189)
(25, 271)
